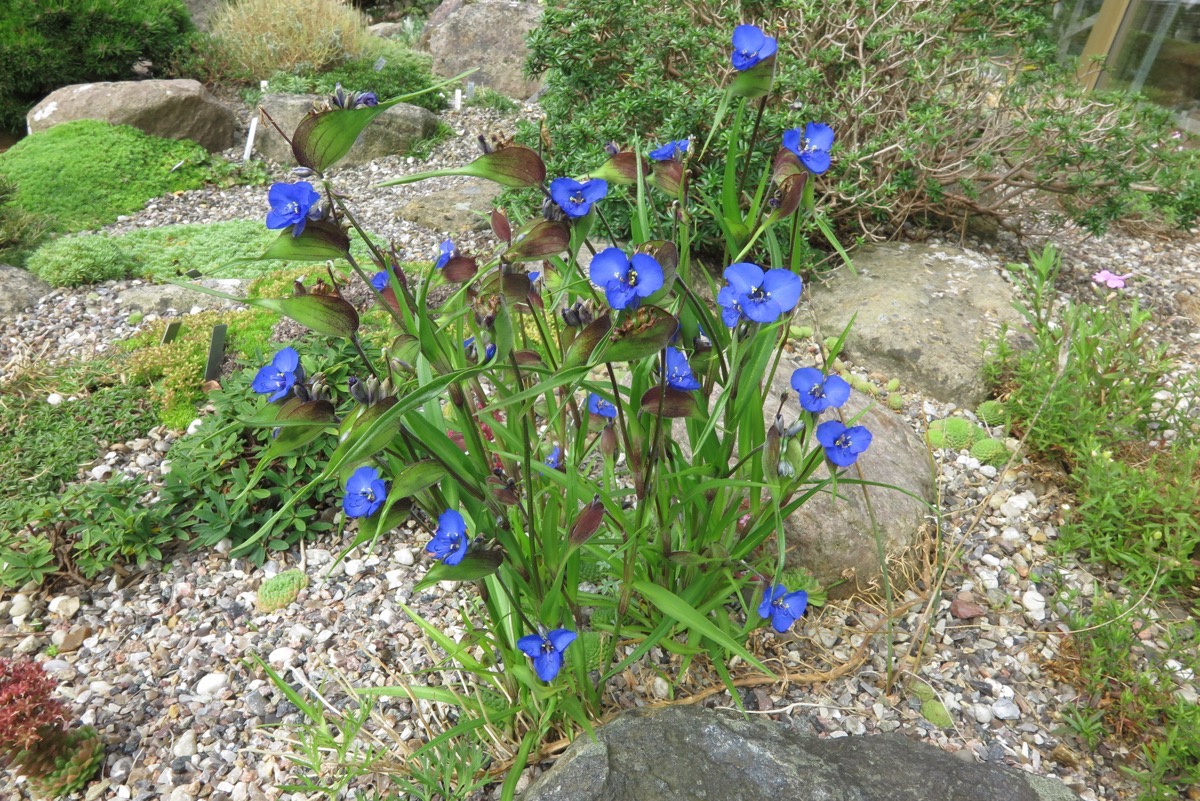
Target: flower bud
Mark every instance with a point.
(608, 441)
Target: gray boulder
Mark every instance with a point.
(689, 754)
(462, 206)
(176, 109)
(488, 34)
(393, 132)
(832, 537)
(164, 298)
(202, 12)
(20, 289)
(924, 312)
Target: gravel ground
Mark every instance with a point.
(158, 663)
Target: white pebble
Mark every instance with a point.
(405, 557)
(65, 606)
(1006, 709)
(194, 426)
(212, 684)
(21, 606)
(352, 566)
(185, 746)
(282, 657)
(54, 399)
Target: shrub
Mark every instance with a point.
(165, 252)
(48, 44)
(85, 174)
(925, 120)
(262, 36)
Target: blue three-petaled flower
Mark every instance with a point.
(546, 651)
(290, 205)
(818, 391)
(842, 445)
(625, 281)
(751, 46)
(757, 295)
(782, 607)
(365, 493)
(813, 147)
(679, 372)
(450, 541)
(278, 377)
(575, 198)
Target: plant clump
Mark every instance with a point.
(280, 590)
(991, 451)
(955, 433)
(992, 413)
(263, 36)
(122, 168)
(34, 736)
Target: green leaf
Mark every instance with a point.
(680, 610)
(308, 419)
(328, 315)
(474, 566)
(643, 333)
(417, 477)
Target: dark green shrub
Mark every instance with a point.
(85, 174)
(936, 109)
(48, 44)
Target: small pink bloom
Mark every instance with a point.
(1111, 280)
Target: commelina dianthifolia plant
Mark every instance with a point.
(594, 446)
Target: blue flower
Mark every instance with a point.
(670, 151)
(547, 651)
(575, 198)
(367, 99)
(783, 607)
(555, 458)
(813, 148)
(758, 296)
(365, 493)
(380, 280)
(290, 204)
(278, 377)
(679, 372)
(750, 46)
(450, 541)
(448, 252)
(534, 277)
(818, 391)
(599, 406)
(842, 445)
(488, 352)
(625, 281)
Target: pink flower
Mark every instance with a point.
(1111, 280)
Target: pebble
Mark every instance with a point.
(982, 714)
(1006, 709)
(282, 657)
(21, 606)
(65, 606)
(185, 746)
(212, 684)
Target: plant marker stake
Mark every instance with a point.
(216, 353)
(171, 332)
(470, 91)
(458, 99)
(250, 138)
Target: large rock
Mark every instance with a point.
(166, 298)
(178, 109)
(923, 313)
(832, 538)
(689, 754)
(395, 131)
(463, 206)
(488, 34)
(20, 289)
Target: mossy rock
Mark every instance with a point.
(83, 175)
(991, 451)
(280, 590)
(992, 413)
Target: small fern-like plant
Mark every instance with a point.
(279, 591)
